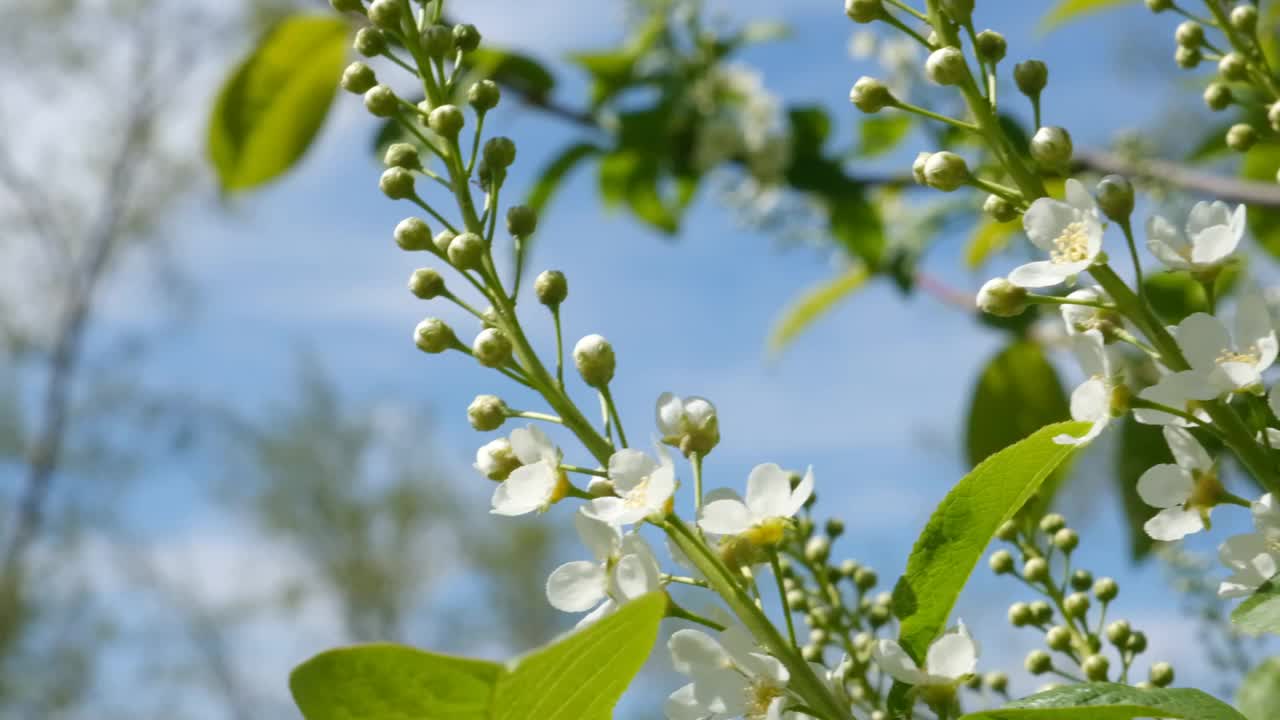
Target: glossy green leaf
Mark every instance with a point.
(1017, 394)
(988, 238)
(814, 303)
(551, 177)
(1174, 296)
(578, 677)
(632, 177)
(273, 105)
(1260, 613)
(879, 134)
(1261, 163)
(962, 526)
(1112, 701)
(1139, 448)
(1259, 693)
(1067, 10)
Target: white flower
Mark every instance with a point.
(1069, 231)
(769, 504)
(1174, 391)
(1272, 437)
(1213, 231)
(1223, 362)
(496, 459)
(624, 569)
(1080, 318)
(1091, 401)
(690, 424)
(731, 678)
(1254, 560)
(538, 482)
(644, 488)
(1185, 490)
(949, 660)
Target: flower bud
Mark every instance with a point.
(1106, 589)
(593, 355)
(946, 66)
(1241, 137)
(1081, 580)
(491, 348)
(551, 287)
(1035, 570)
(1020, 614)
(1052, 523)
(1217, 96)
(863, 11)
(402, 155)
(484, 96)
(381, 101)
(945, 171)
(1031, 77)
(1187, 58)
(1273, 116)
(397, 183)
(1001, 562)
(433, 336)
(797, 601)
(489, 317)
(1162, 672)
(1157, 6)
(487, 413)
(466, 37)
(499, 153)
(496, 460)
(917, 167)
(437, 41)
(1058, 638)
(521, 221)
(426, 283)
(370, 42)
(1008, 531)
(879, 615)
(1002, 298)
(1189, 34)
(1066, 540)
(1244, 18)
(999, 209)
(1042, 611)
(446, 121)
(1076, 604)
(358, 78)
(848, 567)
(834, 528)
(442, 241)
(1095, 667)
(1233, 67)
(1115, 197)
(1038, 662)
(865, 578)
(385, 14)
(817, 549)
(870, 95)
(1118, 632)
(412, 234)
(996, 681)
(1051, 147)
(1137, 643)
(991, 46)
(466, 251)
(347, 5)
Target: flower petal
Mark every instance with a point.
(1166, 242)
(1202, 337)
(725, 517)
(693, 651)
(1165, 486)
(605, 609)
(531, 445)
(952, 656)
(801, 494)
(768, 491)
(892, 659)
(1213, 245)
(576, 587)
(1174, 523)
(1079, 198)
(628, 468)
(1045, 221)
(1041, 273)
(528, 488)
(633, 576)
(600, 537)
(682, 705)
(1254, 329)
(1187, 453)
(669, 412)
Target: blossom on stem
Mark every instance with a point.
(1254, 557)
(769, 505)
(690, 424)
(644, 487)
(1212, 232)
(1222, 361)
(1081, 318)
(1185, 490)
(730, 676)
(1070, 232)
(538, 483)
(1093, 401)
(624, 569)
(949, 661)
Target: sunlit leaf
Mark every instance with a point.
(988, 238)
(1112, 701)
(1067, 10)
(882, 133)
(1259, 692)
(551, 177)
(1018, 393)
(1260, 613)
(814, 303)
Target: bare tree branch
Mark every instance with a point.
(1183, 177)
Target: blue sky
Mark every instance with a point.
(872, 396)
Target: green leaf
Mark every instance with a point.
(580, 676)
(1174, 296)
(989, 238)
(1140, 447)
(812, 304)
(878, 134)
(1072, 9)
(1259, 693)
(1260, 614)
(556, 171)
(1261, 163)
(962, 526)
(273, 105)
(632, 177)
(1111, 701)
(520, 72)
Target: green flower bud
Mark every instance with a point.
(433, 336)
(484, 96)
(381, 101)
(466, 251)
(397, 183)
(1157, 6)
(835, 528)
(1038, 662)
(487, 413)
(1189, 34)
(426, 283)
(347, 5)
(863, 11)
(870, 95)
(996, 681)
(1058, 638)
(1096, 667)
(946, 66)
(848, 567)
(1094, 643)
(442, 241)
(370, 42)
(1020, 614)
(402, 155)
(1233, 67)
(594, 358)
(1241, 137)
(1106, 589)
(1008, 531)
(879, 615)
(1162, 672)
(522, 221)
(1076, 604)
(1187, 58)
(1217, 96)
(1066, 540)
(1001, 562)
(1035, 570)
(917, 167)
(499, 153)
(1273, 116)
(797, 600)
(865, 578)
(1052, 523)
(1031, 77)
(811, 653)
(491, 347)
(818, 636)
(1081, 580)
(1137, 643)
(1051, 147)
(991, 46)
(412, 234)
(999, 209)
(1001, 298)
(1115, 197)
(385, 14)
(1042, 611)
(945, 171)
(1118, 633)
(446, 121)
(358, 78)
(437, 41)
(551, 287)
(466, 37)
(1244, 18)
(817, 549)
